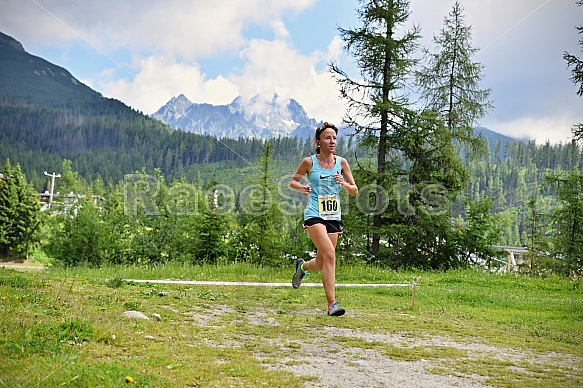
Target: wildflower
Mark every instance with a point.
(129, 379)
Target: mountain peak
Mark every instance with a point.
(10, 41)
(256, 116)
(181, 99)
(26, 79)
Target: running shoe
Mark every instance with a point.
(299, 275)
(335, 310)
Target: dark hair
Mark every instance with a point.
(321, 129)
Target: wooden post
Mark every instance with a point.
(414, 289)
(510, 258)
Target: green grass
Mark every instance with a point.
(63, 327)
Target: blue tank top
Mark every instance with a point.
(324, 199)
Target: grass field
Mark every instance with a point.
(65, 328)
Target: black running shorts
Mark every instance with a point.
(331, 226)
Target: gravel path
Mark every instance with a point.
(335, 365)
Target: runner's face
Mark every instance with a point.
(328, 140)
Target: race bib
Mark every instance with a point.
(329, 207)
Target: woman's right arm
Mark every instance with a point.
(303, 169)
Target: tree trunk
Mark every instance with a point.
(382, 150)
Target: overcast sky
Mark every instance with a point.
(144, 52)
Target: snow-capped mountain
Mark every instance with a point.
(244, 117)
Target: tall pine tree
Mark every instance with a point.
(377, 103)
(260, 220)
(419, 170)
(567, 218)
(450, 80)
(20, 215)
(449, 86)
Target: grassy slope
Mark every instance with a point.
(65, 327)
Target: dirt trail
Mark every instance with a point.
(21, 265)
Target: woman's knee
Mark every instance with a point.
(328, 256)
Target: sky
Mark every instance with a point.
(144, 52)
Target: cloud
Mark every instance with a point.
(494, 22)
(168, 40)
(161, 78)
(279, 28)
(555, 129)
(188, 29)
(270, 67)
(521, 46)
(276, 67)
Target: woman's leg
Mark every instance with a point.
(325, 259)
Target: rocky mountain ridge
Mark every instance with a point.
(244, 117)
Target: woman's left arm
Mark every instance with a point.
(346, 179)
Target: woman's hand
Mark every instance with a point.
(306, 189)
(350, 187)
(339, 179)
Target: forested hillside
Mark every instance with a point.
(512, 181)
(116, 141)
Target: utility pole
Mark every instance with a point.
(53, 176)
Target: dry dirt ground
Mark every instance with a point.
(332, 364)
(20, 265)
(337, 366)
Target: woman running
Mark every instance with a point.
(326, 173)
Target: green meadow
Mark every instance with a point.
(64, 327)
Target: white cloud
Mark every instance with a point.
(32, 24)
(160, 78)
(270, 67)
(189, 29)
(170, 38)
(279, 28)
(522, 45)
(322, 100)
(493, 21)
(555, 129)
(276, 67)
